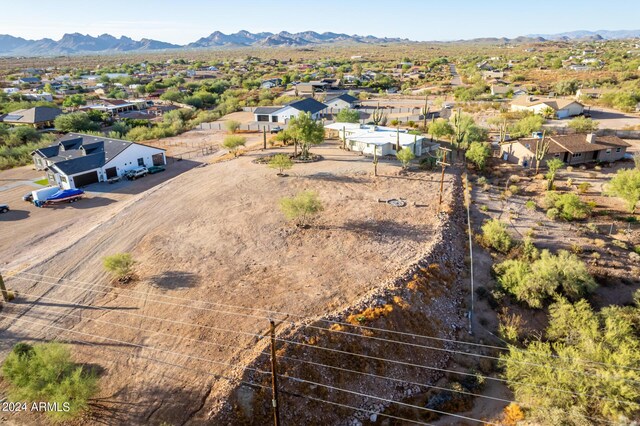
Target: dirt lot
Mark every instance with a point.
(213, 234)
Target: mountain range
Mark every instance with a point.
(73, 44)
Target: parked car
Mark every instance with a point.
(4, 208)
(28, 197)
(134, 174)
(276, 129)
(156, 169)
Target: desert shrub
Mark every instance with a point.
(626, 185)
(553, 213)
(595, 354)
(281, 162)
(482, 180)
(529, 250)
(512, 414)
(484, 208)
(534, 282)
(636, 249)
(45, 373)
(592, 227)
(405, 156)
(569, 182)
(478, 153)
(584, 187)
(348, 116)
(301, 207)
(119, 264)
(510, 326)
(233, 143)
(514, 189)
(232, 126)
(495, 236)
(568, 205)
(619, 244)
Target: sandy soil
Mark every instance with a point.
(212, 234)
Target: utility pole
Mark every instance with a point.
(274, 375)
(5, 294)
(444, 165)
(264, 138)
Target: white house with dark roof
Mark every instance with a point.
(344, 101)
(283, 114)
(77, 160)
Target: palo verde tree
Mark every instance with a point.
(46, 373)
(533, 282)
(233, 143)
(348, 116)
(119, 264)
(405, 156)
(301, 207)
(553, 166)
(626, 185)
(307, 131)
(440, 128)
(584, 369)
(478, 153)
(232, 126)
(281, 162)
(583, 125)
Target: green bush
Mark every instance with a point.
(530, 205)
(568, 205)
(534, 282)
(301, 207)
(586, 364)
(119, 264)
(495, 235)
(233, 143)
(45, 373)
(553, 213)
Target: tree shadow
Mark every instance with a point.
(330, 177)
(383, 229)
(172, 280)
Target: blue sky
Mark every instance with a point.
(183, 21)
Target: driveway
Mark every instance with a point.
(613, 119)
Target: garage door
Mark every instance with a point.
(262, 117)
(85, 179)
(158, 159)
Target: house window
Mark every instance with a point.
(63, 178)
(556, 155)
(579, 154)
(140, 161)
(608, 151)
(618, 149)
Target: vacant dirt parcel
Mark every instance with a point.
(214, 235)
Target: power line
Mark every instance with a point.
(117, 324)
(209, 373)
(356, 334)
(137, 355)
(413, 335)
(404, 404)
(455, 372)
(355, 408)
(280, 356)
(138, 345)
(264, 372)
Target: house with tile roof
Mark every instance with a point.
(573, 149)
(563, 108)
(77, 160)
